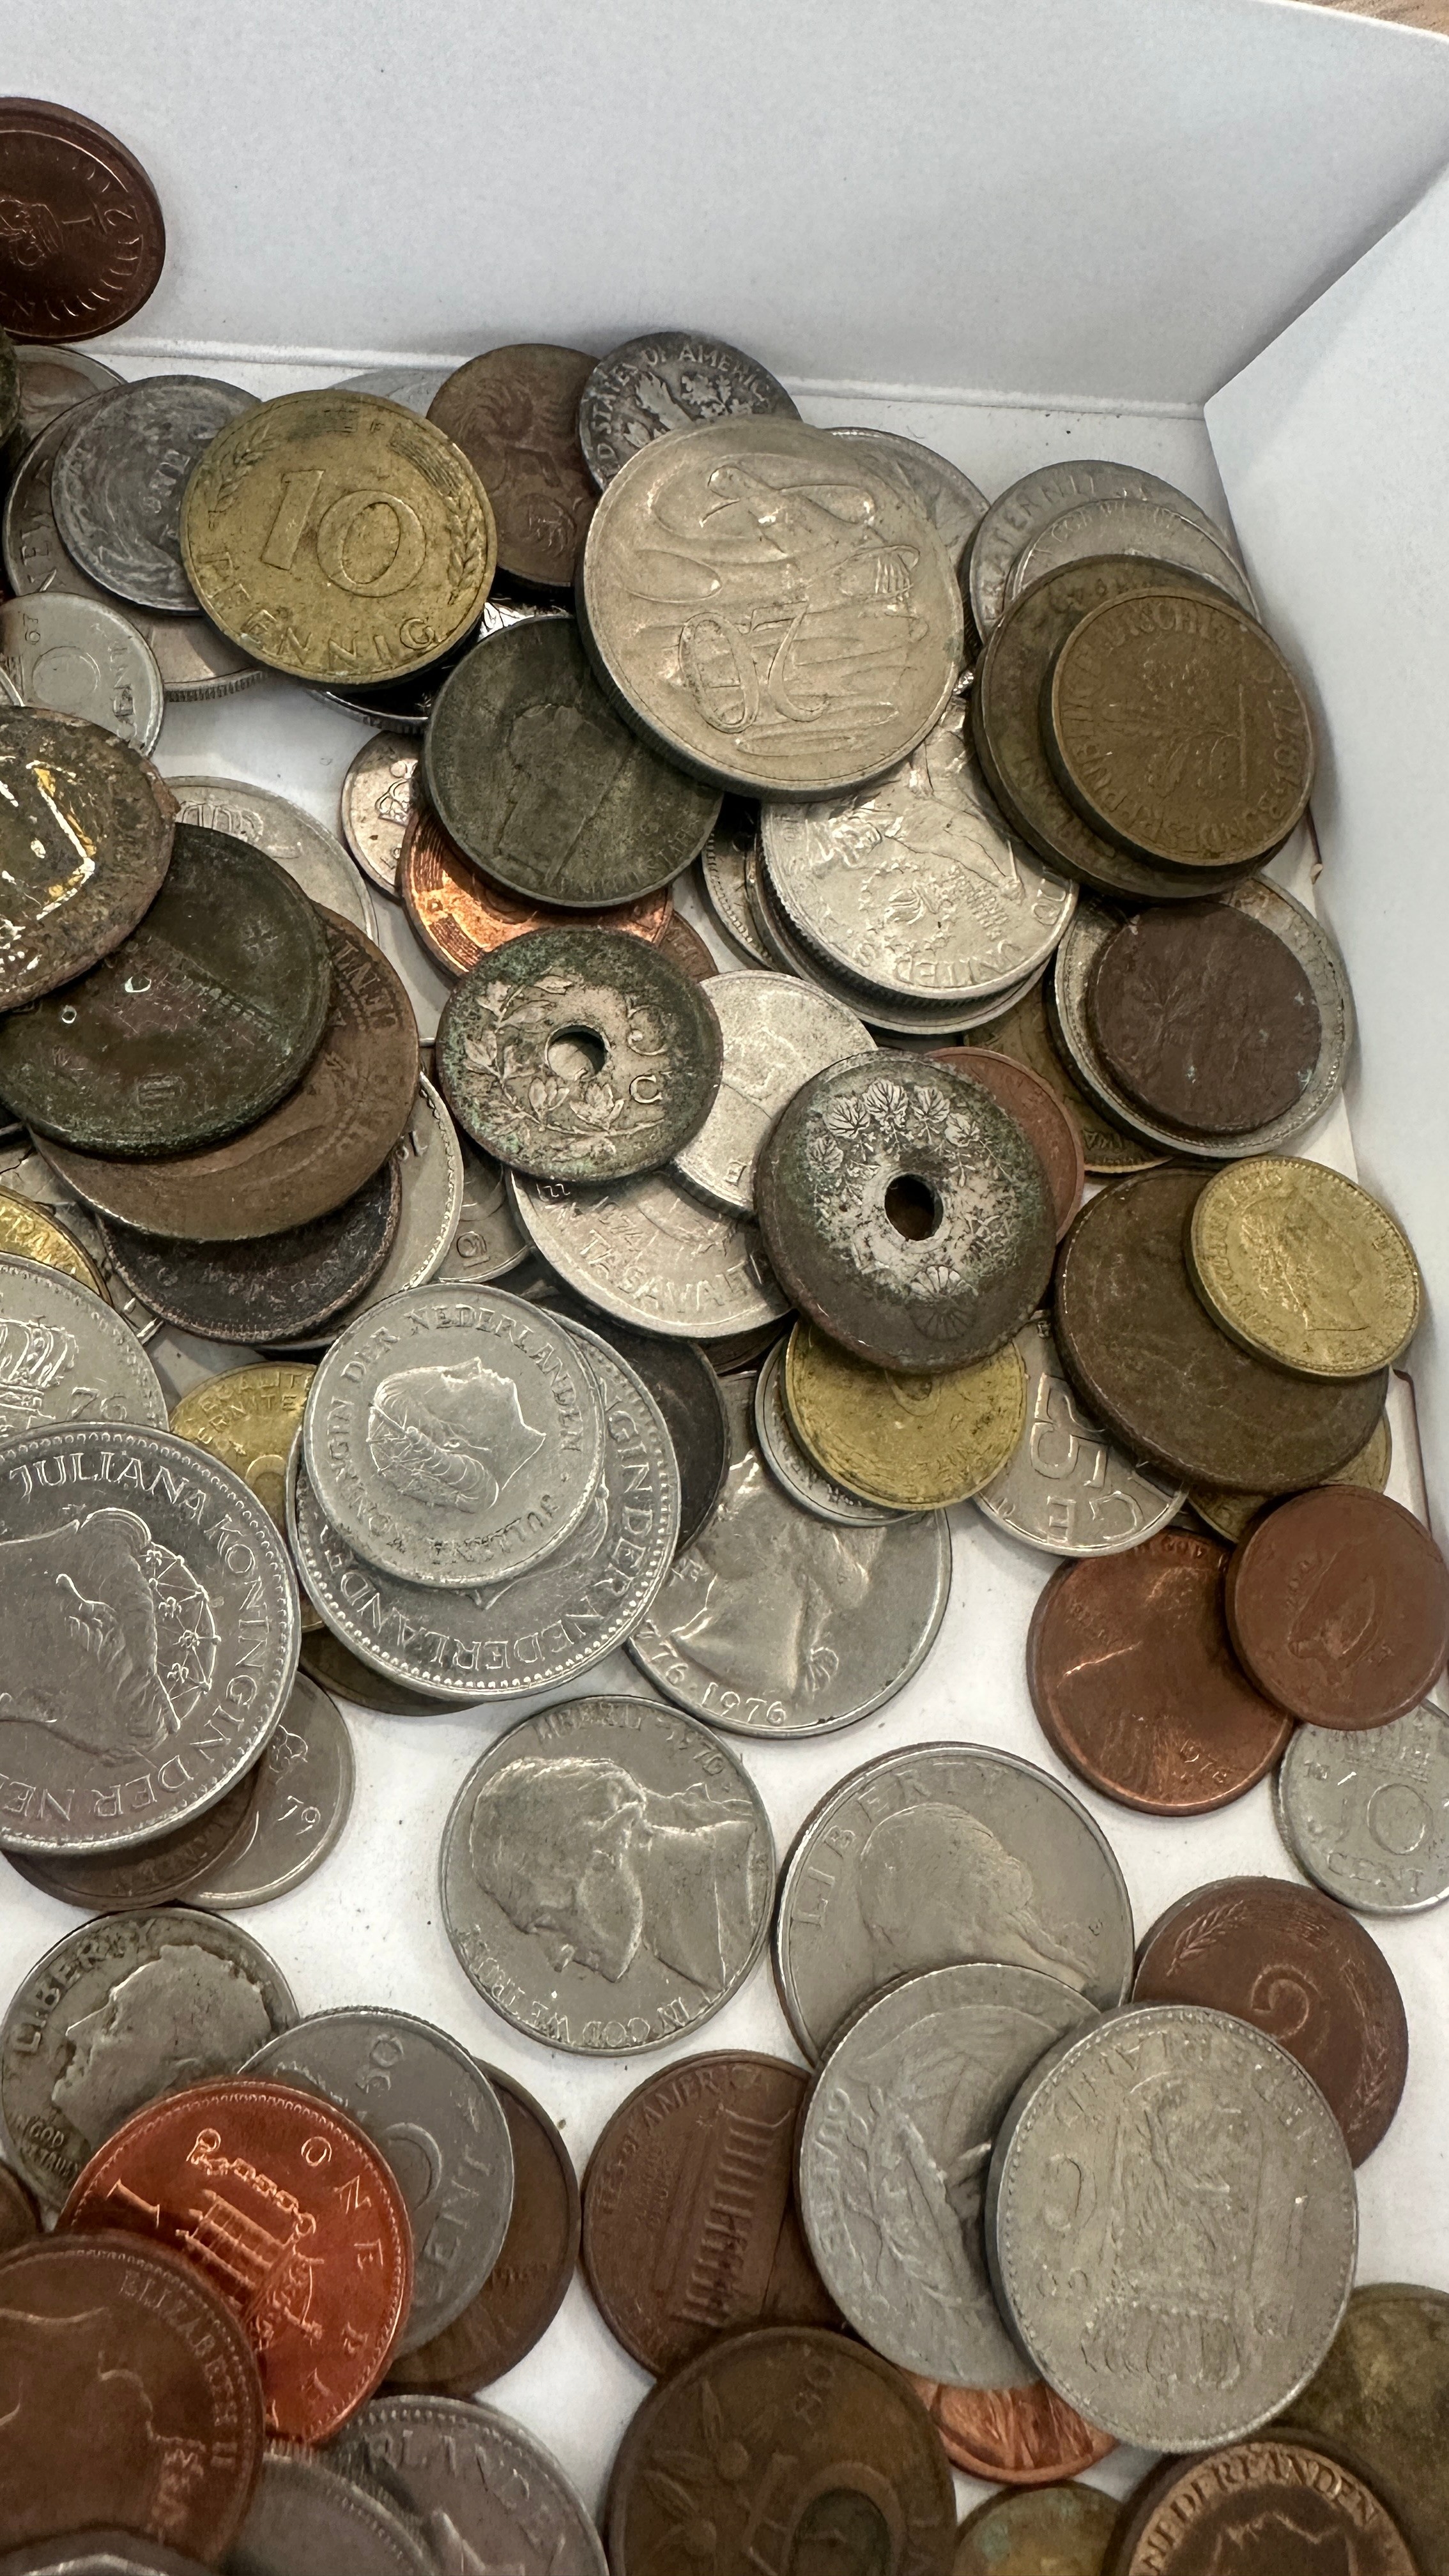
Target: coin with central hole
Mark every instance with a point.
(85, 842)
(120, 476)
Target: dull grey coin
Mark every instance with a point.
(891, 2159)
(487, 1242)
(1068, 1487)
(663, 381)
(484, 2494)
(949, 498)
(735, 839)
(941, 1853)
(777, 1623)
(794, 1469)
(53, 381)
(78, 657)
(534, 1631)
(433, 2113)
(413, 387)
(1113, 527)
(429, 1158)
(1367, 1815)
(313, 859)
(1187, 2178)
(120, 2010)
(607, 1876)
(682, 1384)
(1026, 507)
(120, 473)
(299, 1805)
(776, 1033)
(65, 1356)
(650, 1252)
(306, 2520)
(255, 1292)
(376, 798)
(151, 1635)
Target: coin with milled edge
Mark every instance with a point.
(1123, 527)
(735, 838)
(312, 858)
(86, 241)
(486, 1243)
(912, 1443)
(53, 380)
(682, 1384)
(1230, 1516)
(283, 1286)
(158, 1873)
(120, 474)
(376, 795)
(85, 843)
(66, 1356)
(307, 2520)
(1281, 2501)
(776, 1034)
(515, 414)
(1379, 2400)
(77, 657)
(666, 381)
(1028, 506)
(949, 498)
(792, 1466)
(1338, 1604)
(1053, 2531)
(29, 1233)
(1068, 1487)
(98, 2553)
(326, 1661)
(1303, 1267)
(1205, 1018)
(301, 1793)
(651, 1253)
(1367, 1815)
(920, 1021)
(482, 2490)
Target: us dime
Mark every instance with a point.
(487, 1242)
(486, 2494)
(299, 1805)
(312, 858)
(776, 1034)
(793, 1468)
(65, 1356)
(892, 2157)
(120, 473)
(949, 498)
(79, 658)
(1020, 513)
(607, 1875)
(1123, 527)
(1069, 1488)
(651, 1253)
(1367, 1814)
(668, 380)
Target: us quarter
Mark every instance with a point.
(486, 2494)
(607, 1876)
(792, 1466)
(79, 658)
(776, 1033)
(299, 1805)
(1109, 527)
(120, 473)
(949, 498)
(1069, 1488)
(651, 1253)
(668, 380)
(65, 1356)
(312, 858)
(1021, 512)
(1367, 1814)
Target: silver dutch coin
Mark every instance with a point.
(488, 2495)
(1026, 507)
(300, 1804)
(77, 657)
(1067, 1487)
(312, 857)
(651, 1253)
(776, 1033)
(67, 1357)
(488, 1242)
(1367, 1814)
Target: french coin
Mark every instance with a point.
(572, 1903)
(1147, 1358)
(312, 1152)
(914, 1444)
(544, 787)
(86, 241)
(481, 2490)
(1052, 2531)
(735, 838)
(1135, 1685)
(110, 1066)
(66, 1357)
(461, 916)
(311, 857)
(1281, 2495)
(29, 1233)
(432, 2112)
(938, 1854)
(784, 644)
(1043, 1113)
(338, 538)
(85, 843)
(487, 1243)
(904, 1212)
(1230, 1516)
(949, 498)
(157, 1873)
(1368, 1816)
(142, 1713)
(376, 794)
(689, 2224)
(1205, 1018)
(919, 1021)
(650, 1253)
(272, 1290)
(1294, 1964)
(1338, 1604)
(306, 2520)
(430, 1166)
(413, 387)
(1067, 1487)
(120, 474)
(792, 1466)
(1303, 1267)
(920, 2081)
(578, 1056)
(666, 381)
(686, 1391)
(1380, 2397)
(53, 380)
(1023, 1034)
(777, 1623)
(1020, 513)
(1121, 527)
(530, 1632)
(916, 884)
(249, 1418)
(301, 1793)
(76, 657)
(776, 1035)
(514, 412)
(326, 1661)
(19, 2213)
(1019, 2437)
(1176, 2336)
(682, 945)
(120, 2011)
(863, 2478)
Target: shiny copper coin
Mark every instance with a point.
(19, 2215)
(1206, 1018)
(1338, 1603)
(1272, 2506)
(515, 414)
(156, 1873)
(82, 239)
(128, 2396)
(1293, 1963)
(690, 2228)
(1134, 1683)
(1019, 2437)
(1040, 1110)
(460, 915)
(289, 2213)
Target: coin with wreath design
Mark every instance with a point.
(579, 1055)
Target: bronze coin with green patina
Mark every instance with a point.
(85, 842)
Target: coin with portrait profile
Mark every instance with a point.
(1304, 1268)
(665, 381)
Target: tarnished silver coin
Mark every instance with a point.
(1027, 506)
(1171, 2225)
(949, 498)
(1068, 1487)
(53, 381)
(651, 1253)
(413, 387)
(313, 859)
(433, 2113)
(307, 2520)
(663, 381)
(66, 1356)
(120, 473)
(792, 1466)
(891, 2161)
(1367, 1814)
(78, 657)
(735, 838)
(940, 1853)
(151, 1634)
(777, 1623)
(25, 1171)
(487, 1243)
(376, 796)
(776, 1033)
(1123, 527)
(120, 2010)
(922, 1024)
(300, 1802)
(483, 2492)
(607, 1877)
(917, 885)
(534, 1631)
(430, 1162)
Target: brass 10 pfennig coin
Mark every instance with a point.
(912, 1443)
(1230, 1516)
(338, 538)
(1303, 1267)
(85, 842)
(514, 412)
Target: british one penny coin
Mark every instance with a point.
(19, 2214)
(1338, 1603)
(1381, 2400)
(1151, 1363)
(287, 2211)
(1301, 1968)
(83, 240)
(158, 1873)
(1205, 1018)
(1041, 1111)
(1016, 2437)
(86, 829)
(1024, 1034)
(130, 2393)
(1134, 1683)
(1058, 2531)
(690, 2228)
(515, 414)
(461, 916)
(273, 1289)
(1273, 2506)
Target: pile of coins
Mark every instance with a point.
(835, 875)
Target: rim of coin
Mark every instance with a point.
(122, 212)
(685, 1390)
(1282, 1308)
(652, 1216)
(1105, 1474)
(373, 832)
(482, 2480)
(913, 1444)
(1204, 1017)
(49, 648)
(721, 866)
(29, 1232)
(81, 1353)
(309, 854)
(1021, 2437)
(1121, 526)
(53, 378)
(1231, 1516)
(332, 1665)
(790, 1463)
(1398, 1778)
(878, 1010)
(120, 473)
(250, 1872)
(775, 1033)
(429, 1158)
(1023, 1034)
(281, 1287)
(462, 917)
(165, 1871)
(1337, 1603)
(1044, 1113)
(616, 416)
(950, 499)
(121, 811)
(1028, 504)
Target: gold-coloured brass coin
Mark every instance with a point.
(914, 1442)
(249, 1418)
(1230, 1516)
(32, 1232)
(1302, 1267)
(338, 538)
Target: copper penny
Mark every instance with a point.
(682, 945)
(1019, 2437)
(1041, 1111)
(460, 915)
(1273, 2506)
(1300, 1967)
(19, 2213)
(81, 236)
(1134, 1683)
(156, 1873)
(1338, 1603)
(1151, 1363)
(128, 2396)
(277, 1288)
(289, 2213)
(690, 2228)
(515, 414)
(1206, 1019)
